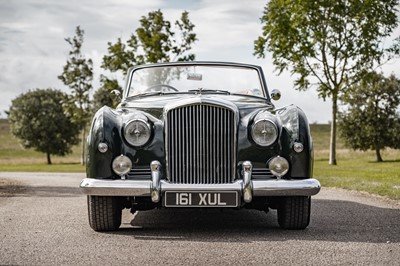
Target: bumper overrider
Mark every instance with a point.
(245, 187)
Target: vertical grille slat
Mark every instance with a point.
(200, 144)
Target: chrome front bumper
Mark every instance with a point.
(155, 187)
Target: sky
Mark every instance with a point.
(33, 50)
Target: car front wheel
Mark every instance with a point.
(294, 212)
(104, 213)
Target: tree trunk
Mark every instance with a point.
(83, 145)
(332, 148)
(48, 158)
(378, 155)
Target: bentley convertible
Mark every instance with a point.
(199, 135)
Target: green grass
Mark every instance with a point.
(54, 168)
(14, 158)
(355, 170)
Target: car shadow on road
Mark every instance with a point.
(331, 220)
(13, 190)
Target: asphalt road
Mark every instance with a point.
(43, 221)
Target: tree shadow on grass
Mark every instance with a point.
(385, 161)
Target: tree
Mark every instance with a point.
(329, 44)
(78, 75)
(39, 121)
(154, 41)
(371, 121)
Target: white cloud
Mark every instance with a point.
(33, 50)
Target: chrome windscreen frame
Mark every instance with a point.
(199, 63)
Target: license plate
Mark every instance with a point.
(201, 199)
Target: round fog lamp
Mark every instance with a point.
(278, 166)
(122, 165)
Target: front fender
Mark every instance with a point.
(105, 128)
(297, 129)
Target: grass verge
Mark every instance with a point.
(361, 175)
(356, 170)
(14, 158)
(52, 168)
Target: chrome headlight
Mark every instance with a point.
(264, 132)
(137, 132)
(122, 165)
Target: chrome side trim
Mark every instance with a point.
(261, 173)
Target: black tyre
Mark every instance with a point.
(104, 213)
(294, 212)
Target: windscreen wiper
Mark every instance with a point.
(202, 90)
(147, 94)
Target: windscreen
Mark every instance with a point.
(195, 78)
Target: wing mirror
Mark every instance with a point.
(115, 97)
(275, 94)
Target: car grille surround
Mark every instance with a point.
(201, 144)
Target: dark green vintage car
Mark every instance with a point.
(199, 135)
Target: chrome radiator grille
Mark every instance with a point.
(200, 144)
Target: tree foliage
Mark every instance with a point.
(38, 120)
(371, 120)
(328, 43)
(156, 40)
(78, 75)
